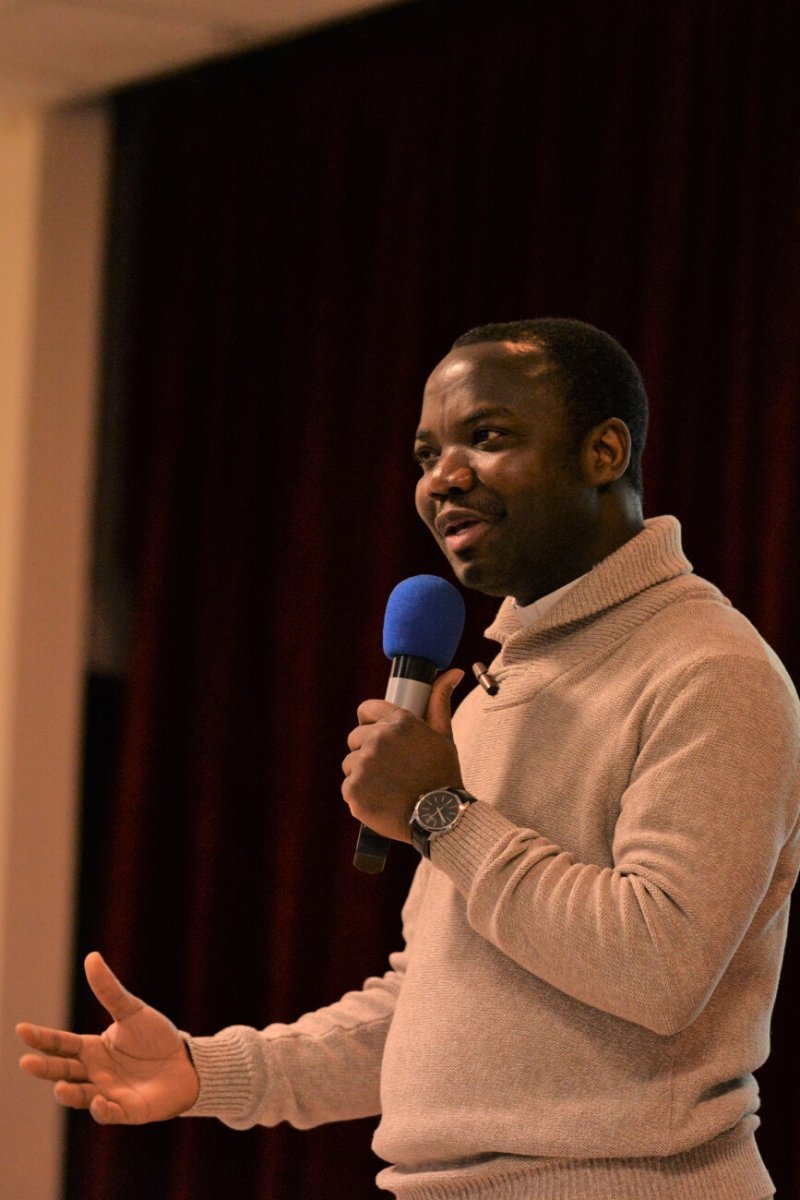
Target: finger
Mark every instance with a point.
(438, 714)
(363, 734)
(370, 711)
(107, 1112)
(50, 1041)
(115, 999)
(75, 1095)
(355, 738)
(70, 1069)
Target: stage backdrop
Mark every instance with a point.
(296, 237)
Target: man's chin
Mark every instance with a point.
(474, 575)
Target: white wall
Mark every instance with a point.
(52, 199)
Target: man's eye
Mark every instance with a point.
(423, 455)
(483, 435)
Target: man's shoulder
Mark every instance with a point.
(699, 628)
(696, 613)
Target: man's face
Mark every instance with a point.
(501, 489)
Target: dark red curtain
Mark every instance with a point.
(296, 238)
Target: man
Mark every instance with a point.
(594, 935)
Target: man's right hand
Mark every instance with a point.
(139, 1070)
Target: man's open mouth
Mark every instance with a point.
(461, 528)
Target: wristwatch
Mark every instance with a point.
(435, 813)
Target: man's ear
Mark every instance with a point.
(606, 452)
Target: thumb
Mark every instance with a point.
(115, 999)
(438, 711)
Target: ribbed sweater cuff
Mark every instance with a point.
(223, 1065)
(461, 852)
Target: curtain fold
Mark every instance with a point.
(306, 230)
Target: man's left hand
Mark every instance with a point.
(396, 757)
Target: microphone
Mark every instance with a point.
(422, 627)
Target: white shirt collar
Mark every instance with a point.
(529, 613)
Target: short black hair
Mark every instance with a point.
(602, 380)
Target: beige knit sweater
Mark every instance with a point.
(592, 954)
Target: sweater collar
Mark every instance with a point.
(653, 556)
(530, 614)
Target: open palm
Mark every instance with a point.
(138, 1070)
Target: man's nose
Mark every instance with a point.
(452, 473)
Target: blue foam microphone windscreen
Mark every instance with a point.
(424, 619)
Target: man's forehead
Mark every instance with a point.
(509, 363)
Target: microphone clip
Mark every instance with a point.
(487, 681)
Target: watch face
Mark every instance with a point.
(437, 810)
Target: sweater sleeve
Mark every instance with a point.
(324, 1067)
(707, 824)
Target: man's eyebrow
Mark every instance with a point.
(487, 413)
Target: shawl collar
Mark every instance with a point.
(654, 556)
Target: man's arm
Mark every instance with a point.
(707, 827)
(324, 1067)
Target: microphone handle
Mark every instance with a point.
(409, 687)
